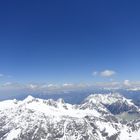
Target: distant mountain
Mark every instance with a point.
(115, 103)
(98, 117)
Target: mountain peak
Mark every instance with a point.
(60, 100)
(29, 98)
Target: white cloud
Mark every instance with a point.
(7, 84)
(33, 86)
(127, 82)
(5, 76)
(66, 85)
(107, 73)
(50, 85)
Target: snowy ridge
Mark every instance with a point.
(38, 119)
(108, 99)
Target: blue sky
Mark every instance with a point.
(69, 41)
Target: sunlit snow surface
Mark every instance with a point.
(38, 119)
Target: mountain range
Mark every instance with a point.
(97, 117)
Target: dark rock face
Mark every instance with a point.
(117, 108)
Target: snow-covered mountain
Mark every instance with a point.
(96, 118)
(115, 103)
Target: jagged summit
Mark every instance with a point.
(29, 98)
